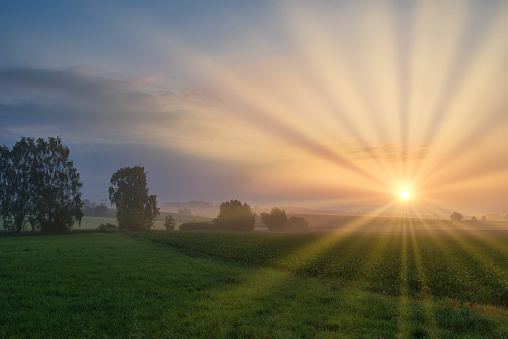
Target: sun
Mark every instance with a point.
(404, 195)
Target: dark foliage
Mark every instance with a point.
(235, 216)
(39, 186)
(97, 211)
(185, 211)
(276, 220)
(135, 209)
(169, 223)
(107, 228)
(456, 216)
(297, 224)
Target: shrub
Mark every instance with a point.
(107, 228)
(297, 224)
(276, 220)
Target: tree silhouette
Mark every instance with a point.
(455, 216)
(298, 224)
(169, 223)
(276, 220)
(235, 216)
(39, 185)
(135, 209)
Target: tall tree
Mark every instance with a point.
(135, 209)
(169, 223)
(39, 185)
(235, 216)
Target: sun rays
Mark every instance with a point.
(326, 89)
(388, 97)
(390, 112)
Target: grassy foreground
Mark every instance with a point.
(91, 285)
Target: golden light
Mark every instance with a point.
(312, 120)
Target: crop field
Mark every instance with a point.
(472, 268)
(162, 284)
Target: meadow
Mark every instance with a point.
(161, 284)
(88, 222)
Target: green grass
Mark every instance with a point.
(112, 285)
(93, 222)
(472, 268)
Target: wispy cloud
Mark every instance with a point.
(90, 106)
(390, 152)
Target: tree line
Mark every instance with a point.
(456, 216)
(235, 216)
(40, 187)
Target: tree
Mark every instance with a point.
(455, 216)
(100, 211)
(39, 186)
(298, 224)
(474, 219)
(135, 209)
(169, 223)
(484, 218)
(185, 211)
(235, 216)
(276, 220)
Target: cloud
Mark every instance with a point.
(390, 152)
(91, 107)
(112, 123)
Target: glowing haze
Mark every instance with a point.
(325, 104)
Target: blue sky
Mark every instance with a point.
(323, 104)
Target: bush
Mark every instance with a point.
(297, 224)
(107, 228)
(276, 220)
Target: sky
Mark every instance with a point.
(322, 104)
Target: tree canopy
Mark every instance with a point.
(235, 216)
(39, 186)
(276, 220)
(135, 209)
(456, 216)
(169, 223)
(298, 224)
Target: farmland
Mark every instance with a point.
(256, 284)
(92, 222)
(472, 268)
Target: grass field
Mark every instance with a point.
(93, 222)
(88, 284)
